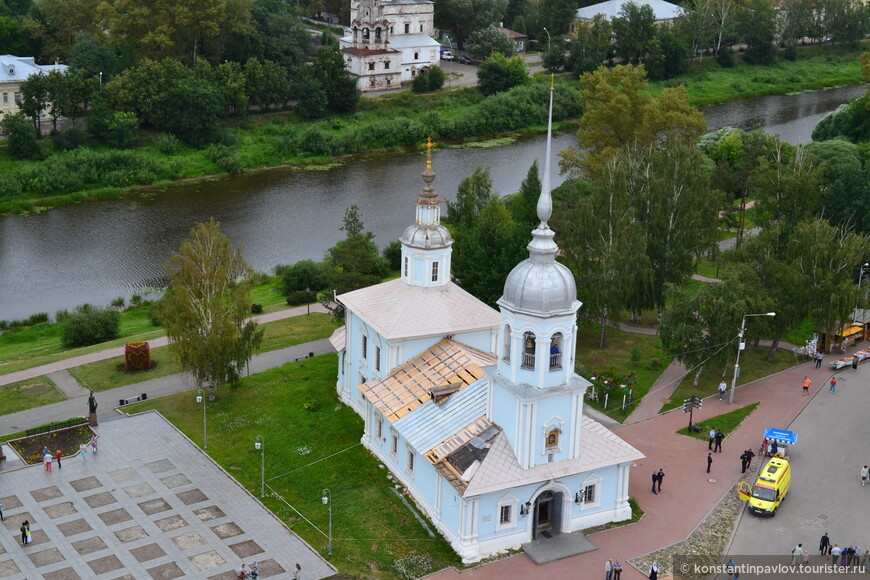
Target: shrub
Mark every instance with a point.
(413, 566)
(90, 325)
(303, 275)
(135, 299)
(118, 302)
(168, 144)
(299, 297)
(21, 136)
(498, 73)
(121, 129)
(393, 254)
(69, 138)
(225, 157)
(256, 308)
(725, 57)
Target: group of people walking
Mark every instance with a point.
(612, 569)
(846, 557)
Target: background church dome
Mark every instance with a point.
(426, 236)
(539, 287)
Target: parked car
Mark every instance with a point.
(463, 60)
(446, 55)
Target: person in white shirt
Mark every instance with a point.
(796, 554)
(835, 554)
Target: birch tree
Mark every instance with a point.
(205, 309)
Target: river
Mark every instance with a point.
(97, 251)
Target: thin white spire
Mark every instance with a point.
(545, 201)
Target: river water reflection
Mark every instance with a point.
(94, 252)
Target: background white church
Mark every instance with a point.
(479, 412)
(390, 41)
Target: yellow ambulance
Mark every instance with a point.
(770, 488)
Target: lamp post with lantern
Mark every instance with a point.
(200, 398)
(326, 498)
(261, 447)
(740, 346)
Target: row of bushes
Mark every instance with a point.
(74, 170)
(32, 320)
(512, 110)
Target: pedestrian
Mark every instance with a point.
(653, 572)
(47, 460)
(844, 557)
(44, 451)
(719, 437)
(722, 388)
(730, 566)
(712, 439)
(833, 384)
(805, 559)
(864, 473)
(709, 461)
(743, 462)
(27, 537)
(298, 573)
(23, 529)
(58, 456)
(655, 479)
(807, 383)
(835, 554)
(617, 569)
(818, 359)
(825, 545)
(660, 476)
(255, 571)
(94, 444)
(608, 569)
(83, 450)
(2, 519)
(242, 571)
(797, 554)
(854, 363)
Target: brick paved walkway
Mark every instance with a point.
(149, 505)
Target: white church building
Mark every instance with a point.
(478, 412)
(390, 41)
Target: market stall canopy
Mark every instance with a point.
(781, 436)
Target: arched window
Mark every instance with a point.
(528, 350)
(507, 343)
(355, 31)
(377, 33)
(365, 34)
(556, 351)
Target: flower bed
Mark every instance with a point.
(67, 440)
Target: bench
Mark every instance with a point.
(142, 397)
(299, 358)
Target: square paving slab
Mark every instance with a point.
(62, 574)
(191, 497)
(74, 527)
(59, 510)
(209, 513)
(188, 541)
(173, 481)
(13, 523)
(128, 535)
(8, 568)
(105, 564)
(206, 560)
(170, 523)
(127, 474)
(228, 530)
(36, 537)
(46, 557)
(245, 549)
(154, 506)
(10, 502)
(117, 516)
(146, 553)
(46, 493)
(85, 483)
(89, 545)
(160, 466)
(139, 490)
(100, 499)
(166, 572)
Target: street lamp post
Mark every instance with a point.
(101, 78)
(307, 298)
(261, 447)
(864, 266)
(200, 398)
(548, 40)
(326, 498)
(740, 345)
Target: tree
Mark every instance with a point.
(197, 112)
(556, 15)
(633, 29)
(524, 204)
(34, 98)
(304, 275)
(667, 56)
(756, 25)
(786, 186)
(466, 16)
(204, 311)
(354, 262)
(342, 92)
(592, 46)
(13, 37)
(484, 42)
(92, 57)
(617, 115)
(21, 136)
(89, 325)
(428, 80)
(498, 73)
(311, 97)
(472, 196)
(844, 182)
(604, 246)
(695, 25)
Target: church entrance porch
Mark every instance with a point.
(549, 549)
(548, 512)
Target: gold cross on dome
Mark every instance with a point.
(429, 145)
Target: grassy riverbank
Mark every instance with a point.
(383, 126)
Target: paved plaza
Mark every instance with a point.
(149, 505)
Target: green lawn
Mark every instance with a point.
(726, 422)
(104, 375)
(32, 346)
(27, 394)
(625, 352)
(311, 443)
(753, 366)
